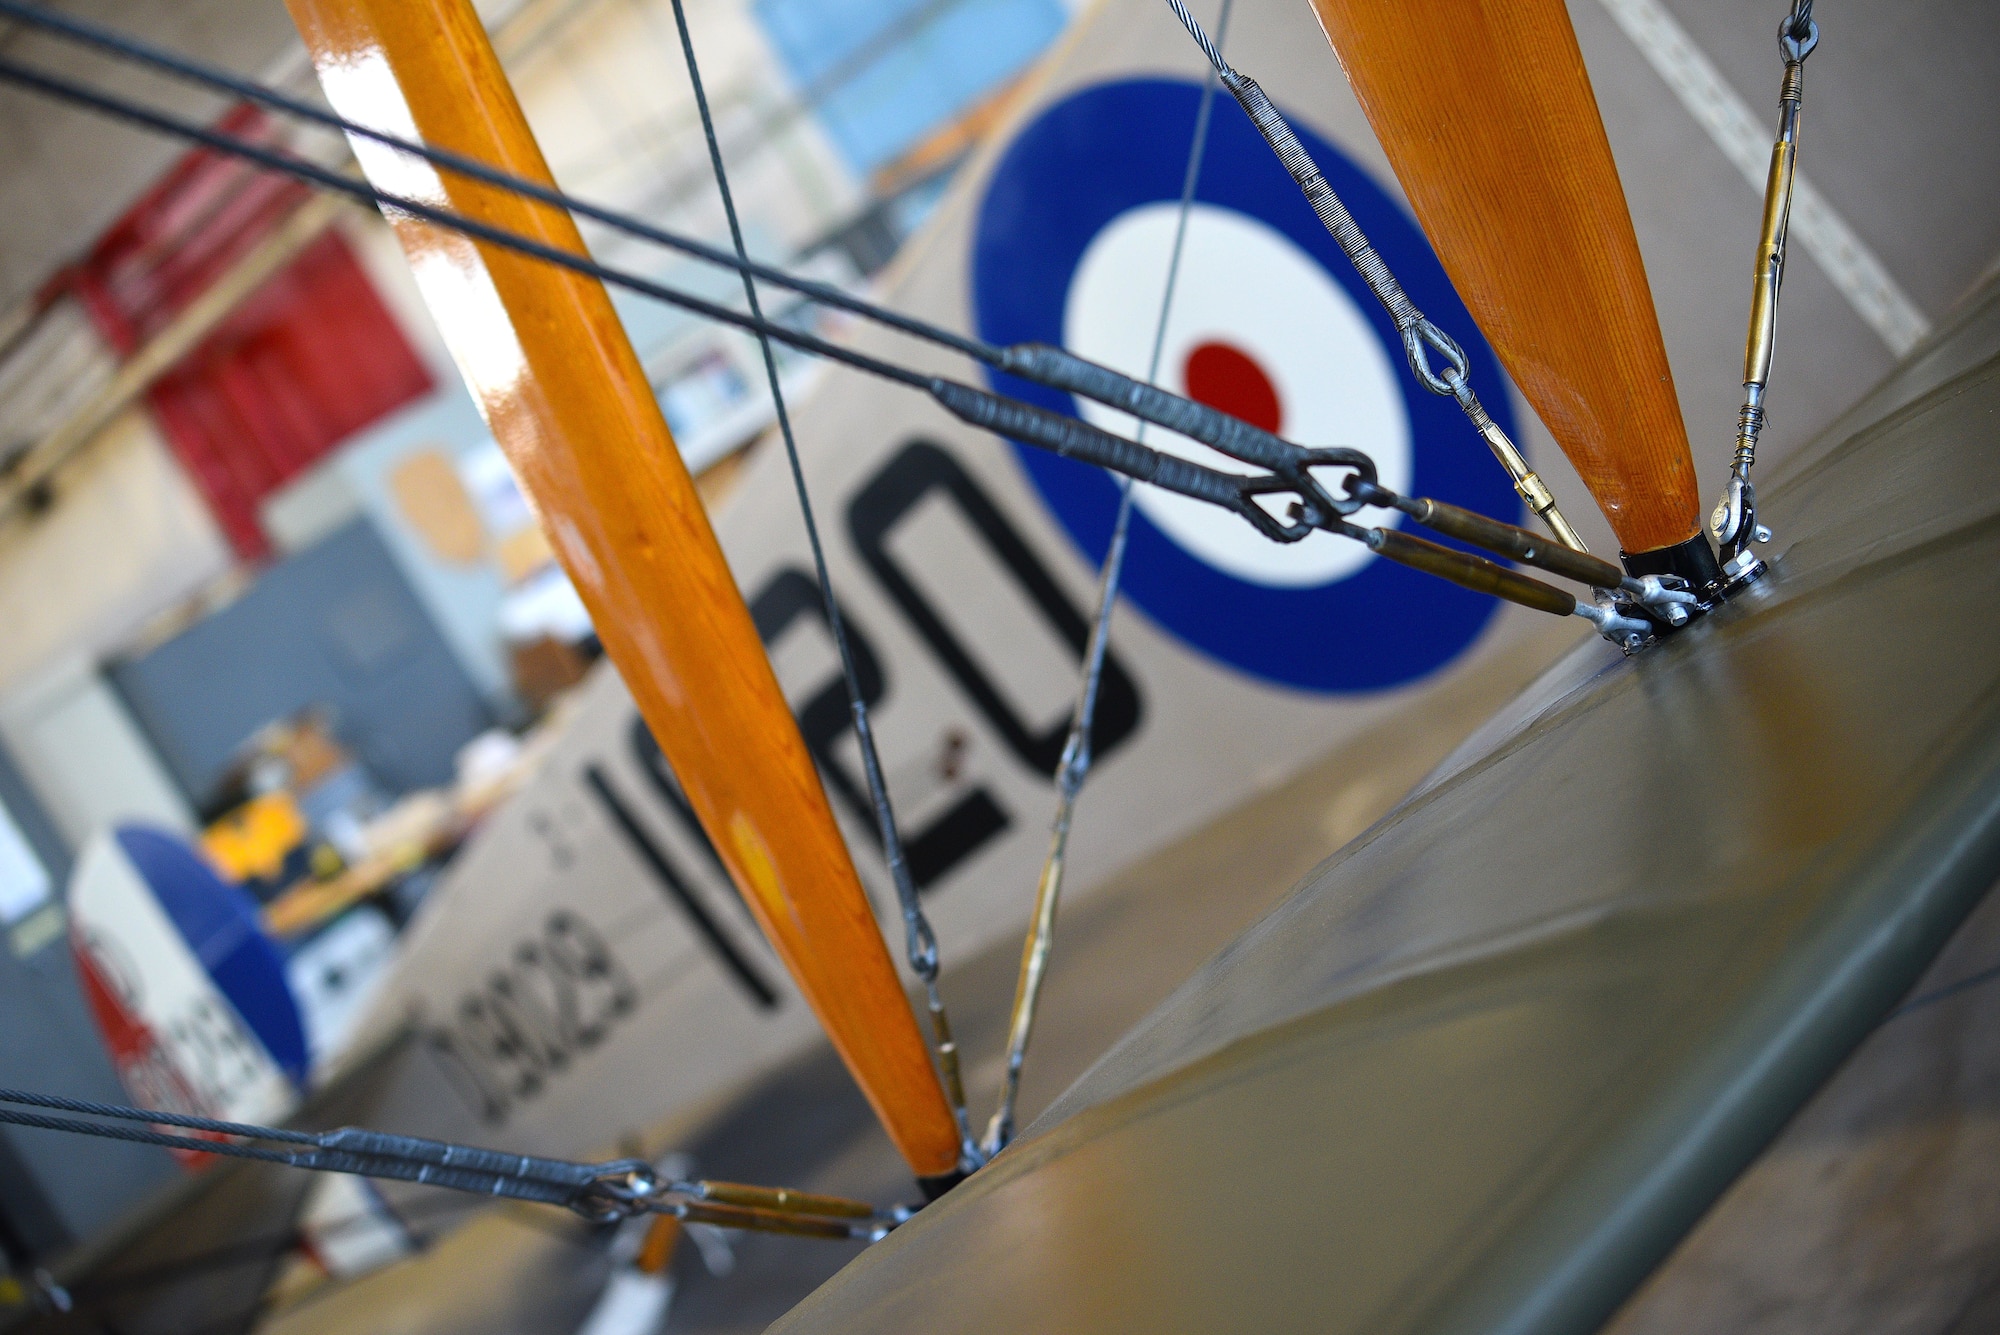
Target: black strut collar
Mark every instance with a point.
(1693, 561)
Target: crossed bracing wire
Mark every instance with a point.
(920, 941)
(1289, 472)
(1074, 767)
(601, 1192)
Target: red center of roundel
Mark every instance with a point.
(1226, 379)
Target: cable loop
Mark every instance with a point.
(622, 1188)
(920, 943)
(1798, 34)
(1315, 507)
(1452, 381)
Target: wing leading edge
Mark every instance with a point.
(1493, 1059)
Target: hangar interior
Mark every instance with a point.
(340, 781)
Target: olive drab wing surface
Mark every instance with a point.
(1490, 1064)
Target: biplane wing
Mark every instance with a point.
(1494, 1059)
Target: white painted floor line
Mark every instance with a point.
(1745, 139)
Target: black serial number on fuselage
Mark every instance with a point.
(544, 1007)
(559, 995)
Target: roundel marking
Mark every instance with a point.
(1269, 322)
(220, 924)
(1224, 376)
(1309, 360)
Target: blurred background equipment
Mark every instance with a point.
(197, 555)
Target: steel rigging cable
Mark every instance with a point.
(602, 1192)
(981, 408)
(919, 940)
(1290, 465)
(1314, 508)
(1419, 333)
(1074, 766)
(1039, 363)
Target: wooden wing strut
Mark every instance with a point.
(549, 363)
(1488, 118)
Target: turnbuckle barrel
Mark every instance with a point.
(1733, 523)
(1769, 271)
(1471, 572)
(1511, 541)
(1528, 484)
(777, 1221)
(783, 1200)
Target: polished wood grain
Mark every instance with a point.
(547, 359)
(1488, 118)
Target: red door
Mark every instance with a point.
(311, 358)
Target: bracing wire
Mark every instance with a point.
(601, 1192)
(920, 941)
(1004, 416)
(1074, 766)
(1290, 466)
(995, 412)
(131, 49)
(1039, 363)
(1421, 338)
(119, 108)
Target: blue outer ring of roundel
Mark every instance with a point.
(220, 924)
(1117, 146)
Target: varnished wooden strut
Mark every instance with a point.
(548, 361)
(1488, 118)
